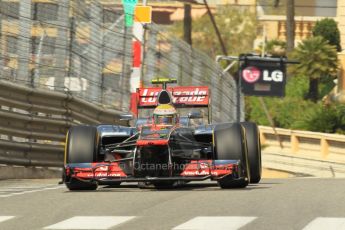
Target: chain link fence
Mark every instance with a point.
(78, 46)
(84, 48)
(167, 56)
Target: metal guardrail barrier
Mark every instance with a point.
(310, 144)
(33, 123)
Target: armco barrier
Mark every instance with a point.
(312, 144)
(33, 123)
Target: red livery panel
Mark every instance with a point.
(152, 142)
(194, 169)
(98, 170)
(181, 95)
(205, 167)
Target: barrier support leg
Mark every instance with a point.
(324, 147)
(294, 143)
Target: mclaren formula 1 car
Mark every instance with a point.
(164, 148)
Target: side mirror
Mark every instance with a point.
(194, 115)
(126, 117)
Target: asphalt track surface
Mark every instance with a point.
(291, 203)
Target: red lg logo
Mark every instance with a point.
(251, 74)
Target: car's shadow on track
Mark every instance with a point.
(197, 187)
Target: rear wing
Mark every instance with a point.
(183, 96)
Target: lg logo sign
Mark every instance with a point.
(276, 76)
(252, 74)
(263, 76)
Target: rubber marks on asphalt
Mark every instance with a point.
(4, 218)
(215, 222)
(90, 222)
(323, 223)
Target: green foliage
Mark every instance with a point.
(325, 87)
(323, 119)
(283, 110)
(274, 47)
(328, 29)
(237, 27)
(317, 58)
(293, 112)
(297, 86)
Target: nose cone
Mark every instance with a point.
(152, 142)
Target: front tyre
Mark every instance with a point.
(254, 151)
(81, 147)
(230, 144)
(75, 185)
(225, 184)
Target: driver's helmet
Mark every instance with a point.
(165, 115)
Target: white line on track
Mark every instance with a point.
(323, 223)
(215, 222)
(91, 222)
(4, 218)
(29, 191)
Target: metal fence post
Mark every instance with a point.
(187, 68)
(71, 65)
(151, 57)
(61, 41)
(2, 41)
(36, 76)
(128, 67)
(113, 52)
(238, 95)
(197, 73)
(95, 53)
(103, 61)
(180, 66)
(124, 67)
(24, 41)
(216, 94)
(174, 69)
(233, 96)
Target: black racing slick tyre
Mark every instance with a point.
(81, 147)
(230, 144)
(75, 185)
(254, 151)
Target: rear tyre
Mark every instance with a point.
(254, 151)
(81, 147)
(230, 144)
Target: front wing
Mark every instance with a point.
(112, 172)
